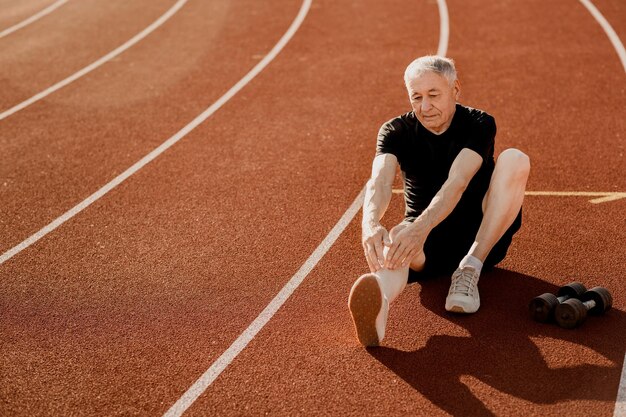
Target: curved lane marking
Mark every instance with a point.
(164, 146)
(33, 18)
(264, 317)
(207, 378)
(444, 28)
(620, 402)
(606, 26)
(166, 16)
(268, 312)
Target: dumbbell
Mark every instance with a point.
(542, 307)
(573, 312)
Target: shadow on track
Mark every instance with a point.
(500, 352)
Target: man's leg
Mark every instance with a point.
(501, 205)
(372, 293)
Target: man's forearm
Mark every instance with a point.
(376, 202)
(442, 204)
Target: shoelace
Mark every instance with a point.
(464, 282)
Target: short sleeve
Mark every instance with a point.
(389, 138)
(482, 137)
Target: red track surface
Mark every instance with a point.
(123, 307)
(12, 13)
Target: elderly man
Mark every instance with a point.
(462, 207)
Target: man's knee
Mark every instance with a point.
(511, 173)
(514, 162)
(419, 262)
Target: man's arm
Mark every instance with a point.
(378, 193)
(410, 240)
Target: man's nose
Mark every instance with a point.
(425, 104)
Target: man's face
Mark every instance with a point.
(433, 100)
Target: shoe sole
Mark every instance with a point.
(457, 309)
(460, 309)
(365, 303)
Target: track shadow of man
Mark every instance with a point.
(501, 354)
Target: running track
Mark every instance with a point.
(123, 307)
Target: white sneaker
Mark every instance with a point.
(369, 308)
(463, 296)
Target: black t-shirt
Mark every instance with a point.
(425, 158)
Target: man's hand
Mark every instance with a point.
(407, 241)
(374, 239)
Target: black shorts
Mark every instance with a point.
(450, 241)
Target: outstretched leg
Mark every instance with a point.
(371, 295)
(369, 301)
(501, 205)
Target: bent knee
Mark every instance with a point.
(515, 160)
(419, 262)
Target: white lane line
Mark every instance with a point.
(33, 18)
(606, 26)
(97, 63)
(264, 317)
(165, 145)
(620, 403)
(444, 28)
(242, 341)
(604, 196)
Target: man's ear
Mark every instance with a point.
(457, 89)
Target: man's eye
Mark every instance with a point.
(416, 98)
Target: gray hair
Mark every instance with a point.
(438, 64)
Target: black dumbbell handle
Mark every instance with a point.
(589, 304)
(571, 290)
(563, 298)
